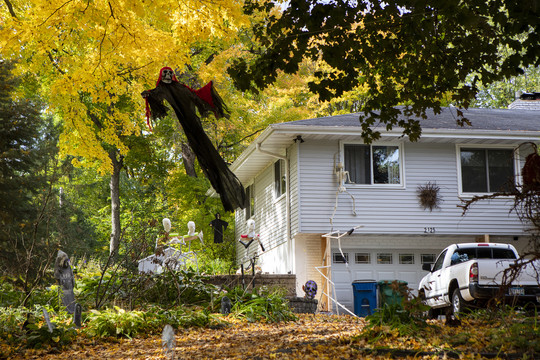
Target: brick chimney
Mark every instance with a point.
(526, 101)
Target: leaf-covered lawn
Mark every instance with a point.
(311, 336)
(321, 337)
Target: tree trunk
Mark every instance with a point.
(188, 158)
(115, 202)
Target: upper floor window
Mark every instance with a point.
(487, 170)
(372, 164)
(280, 180)
(250, 202)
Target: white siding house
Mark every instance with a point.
(296, 201)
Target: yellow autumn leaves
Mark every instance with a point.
(93, 58)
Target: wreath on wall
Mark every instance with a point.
(429, 196)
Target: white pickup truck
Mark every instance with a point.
(473, 273)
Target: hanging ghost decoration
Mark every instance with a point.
(184, 101)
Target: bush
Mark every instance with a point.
(23, 327)
(176, 287)
(115, 322)
(260, 305)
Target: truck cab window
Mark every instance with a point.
(459, 257)
(439, 263)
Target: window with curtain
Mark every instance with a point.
(372, 164)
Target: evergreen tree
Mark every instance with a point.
(19, 140)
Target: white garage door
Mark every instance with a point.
(377, 265)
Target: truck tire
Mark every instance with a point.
(458, 304)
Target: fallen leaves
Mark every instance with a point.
(316, 337)
(312, 336)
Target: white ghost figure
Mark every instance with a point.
(167, 225)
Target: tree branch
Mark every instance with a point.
(239, 141)
(10, 9)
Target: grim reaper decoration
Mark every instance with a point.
(184, 101)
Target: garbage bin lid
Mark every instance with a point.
(384, 282)
(364, 281)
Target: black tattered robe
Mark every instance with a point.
(183, 100)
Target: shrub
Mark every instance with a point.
(115, 322)
(260, 305)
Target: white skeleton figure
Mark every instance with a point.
(251, 235)
(342, 176)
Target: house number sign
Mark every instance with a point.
(429, 230)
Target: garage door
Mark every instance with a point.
(377, 265)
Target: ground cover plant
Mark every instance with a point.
(120, 303)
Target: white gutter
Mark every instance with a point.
(287, 205)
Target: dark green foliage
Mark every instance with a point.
(260, 305)
(395, 317)
(408, 52)
(176, 287)
(20, 147)
(22, 327)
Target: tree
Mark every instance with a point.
(415, 53)
(95, 58)
(501, 93)
(36, 219)
(19, 137)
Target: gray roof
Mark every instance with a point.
(481, 119)
(488, 126)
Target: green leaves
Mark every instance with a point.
(413, 53)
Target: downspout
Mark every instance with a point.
(287, 205)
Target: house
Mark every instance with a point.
(297, 195)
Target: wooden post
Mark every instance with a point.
(482, 238)
(325, 247)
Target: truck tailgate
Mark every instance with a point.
(492, 272)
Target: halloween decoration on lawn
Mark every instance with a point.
(251, 236)
(226, 305)
(64, 275)
(168, 341)
(219, 227)
(184, 100)
(310, 288)
(50, 325)
(172, 255)
(329, 286)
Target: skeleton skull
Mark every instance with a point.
(251, 228)
(310, 289)
(167, 76)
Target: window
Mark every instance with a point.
(340, 259)
(362, 258)
(406, 258)
(371, 165)
(427, 258)
(486, 170)
(439, 263)
(464, 254)
(280, 181)
(384, 258)
(250, 202)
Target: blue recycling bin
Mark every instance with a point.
(365, 297)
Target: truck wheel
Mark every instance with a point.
(458, 304)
